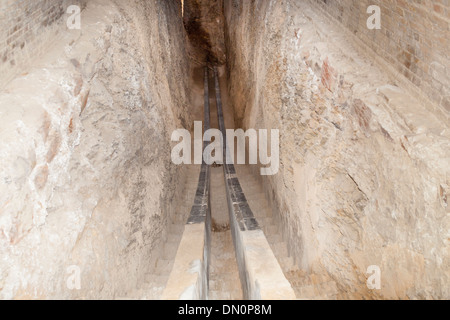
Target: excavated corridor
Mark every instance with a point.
(224, 282)
(105, 106)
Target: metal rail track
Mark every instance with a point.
(250, 245)
(238, 206)
(237, 201)
(201, 210)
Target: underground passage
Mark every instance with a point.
(224, 150)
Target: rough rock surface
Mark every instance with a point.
(86, 178)
(365, 164)
(204, 21)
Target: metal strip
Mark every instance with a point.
(201, 209)
(237, 202)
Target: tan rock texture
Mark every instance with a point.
(28, 29)
(413, 38)
(87, 186)
(364, 160)
(86, 178)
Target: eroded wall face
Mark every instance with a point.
(28, 28)
(87, 182)
(203, 20)
(364, 179)
(413, 38)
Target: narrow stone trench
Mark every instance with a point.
(94, 203)
(204, 24)
(224, 282)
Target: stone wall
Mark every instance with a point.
(86, 181)
(413, 38)
(203, 20)
(364, 175)
(28, 28)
